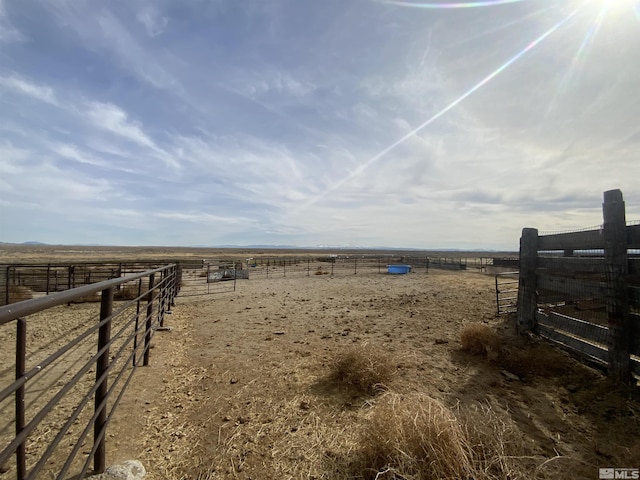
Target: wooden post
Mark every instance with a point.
(527, 296)
(617, 299)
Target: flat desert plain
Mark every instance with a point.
(366, 376)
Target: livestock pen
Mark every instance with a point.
(56, 370)
(581, 289)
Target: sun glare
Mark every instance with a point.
(621, 6)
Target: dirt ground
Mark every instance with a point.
(242, 386)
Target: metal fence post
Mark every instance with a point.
(147, 333)
(136, 325)
(527, 296)
(102, 366)
(161, 300)
(6, 287)
(21, 353)
(617, 299)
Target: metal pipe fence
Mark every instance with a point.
(58, 373)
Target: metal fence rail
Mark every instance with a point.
(55, 378)
(19, 280)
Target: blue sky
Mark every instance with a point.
(326, 122)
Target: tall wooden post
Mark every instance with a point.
(617, 298)
(527, 296)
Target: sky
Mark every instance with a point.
(315, 122)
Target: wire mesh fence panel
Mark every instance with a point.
(582, 288)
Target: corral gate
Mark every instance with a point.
(506, 292)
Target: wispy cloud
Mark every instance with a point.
(153, 22)
(8, 32)
(17, 84)
(217, 122)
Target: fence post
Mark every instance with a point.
(617, 299)
(102, 365)
(161, 301)
(527, 297)
(137, 324)
(148, 324)
(6, 287)
(21, 353)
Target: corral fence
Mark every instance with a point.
(333, 264)
(582, 289)
(351, 264)
(209, 277)
(52, 370)
(25, 281)
(34, 280)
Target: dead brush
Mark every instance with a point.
(415, 436)
(480, 339)
(363, 367)
(19, 293)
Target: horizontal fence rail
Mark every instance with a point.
(63, 355)
(25, 281)
(581, 289)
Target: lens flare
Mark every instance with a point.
(577, 58)
(364, 166)
(440, 5)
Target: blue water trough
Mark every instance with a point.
(398, 269)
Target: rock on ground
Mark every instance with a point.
(127, 470)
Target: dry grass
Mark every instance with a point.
(522, 357)
(364, 367)
(415, 436)
(480, 339)
(18, 293)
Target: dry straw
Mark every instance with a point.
(365, 368)
(415, 436)
(480, 339)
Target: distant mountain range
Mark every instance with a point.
(31, 242)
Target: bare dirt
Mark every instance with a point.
(242, 386)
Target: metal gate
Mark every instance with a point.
(507, 292)
(207, 278)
